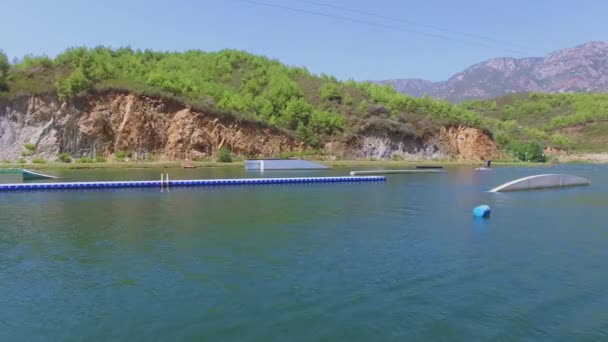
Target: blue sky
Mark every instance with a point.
(360, 47)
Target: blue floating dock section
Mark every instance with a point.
(186, 183)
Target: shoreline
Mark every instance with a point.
(586, 158)
(213, 164)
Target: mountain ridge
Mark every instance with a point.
(583, 68)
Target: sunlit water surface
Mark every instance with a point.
(401, 260)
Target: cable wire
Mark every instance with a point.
(375, 24)
(413, 23)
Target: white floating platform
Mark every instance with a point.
(282, 164)
(542, 182)
(387, 172)
(185, 183)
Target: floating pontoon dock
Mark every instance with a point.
(387, 172)
(429, 167)
(542, 182)
(186, 183)
(281, 164)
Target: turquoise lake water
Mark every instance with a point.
(401, 260)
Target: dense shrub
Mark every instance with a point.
(30, 149)
(4, 68)
(224, 155)
(561, 141)
(324, 122)
(85, 160)
(527, 151)
(330, 92)
(64, 158)
(72, 85)
(121, 155)
(31, 61)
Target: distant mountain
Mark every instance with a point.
(583, 68)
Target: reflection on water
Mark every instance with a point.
(397, 260)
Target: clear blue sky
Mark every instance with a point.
(344, 48)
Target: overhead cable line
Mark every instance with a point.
(413, 23)
(375, 24)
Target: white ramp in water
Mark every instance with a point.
(31, 175)
(542, 182)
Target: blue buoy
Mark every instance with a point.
(482, 211)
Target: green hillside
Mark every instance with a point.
(238, 84)
(575, 122)
(315, 108)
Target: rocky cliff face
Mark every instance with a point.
(579, 69)
(104, 123)
(456, 143)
